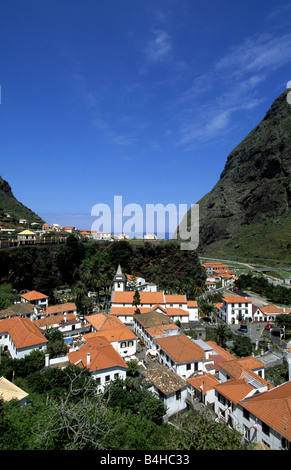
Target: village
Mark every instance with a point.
(149, 329)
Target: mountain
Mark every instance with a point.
(247, 213)
(10, 205)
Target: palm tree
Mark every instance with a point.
(222, 333)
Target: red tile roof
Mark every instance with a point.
(34, 295)
(273, 408)
(23, 332)
(102, 355)
(181, 348)
(145, 297)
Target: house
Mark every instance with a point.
(36, 298)
(67, 323)
(27, 237)
(192, 308)
(140, 284)
(266, 417)
(235, 309)
(102, 360)
(229, 394)
(61, 309)
(119, 335)
(180, 354)
(9, 391)
(153, 324)
(102, 235)
(175, 305)
(257, 409)
(22, 309)
(69, 229)
(234, 368)
(201, 387)
(270, 312)
(19, 336)
(150, 236)
(219, 355)
(167, 386)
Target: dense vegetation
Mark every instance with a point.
(260, 285)
(92, 266)
(64, 412)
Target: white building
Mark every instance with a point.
(167, 386)
(235, 309)
(19, 336)
(103, 362)
(180, 354)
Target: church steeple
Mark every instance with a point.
(119, 281)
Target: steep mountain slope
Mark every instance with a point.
(10, 205)
(247, 213)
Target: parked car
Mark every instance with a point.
(268, 326)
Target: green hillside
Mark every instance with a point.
(247, 215)
(16, 210)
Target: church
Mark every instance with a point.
(176, 306)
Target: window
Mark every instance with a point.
(107, 378)
(178, 395)
(123, 345)
(188, 366)
(266, 429)
(246, 414)
(116, 376)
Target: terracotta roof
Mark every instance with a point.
(220, 351)
(34, 295)
(161, 330)
(192, 303)
(115, 334)
(102, 355)
(164, 379)
(237, 366)
(231, 299)
(126, 311)
(22, 331)
(234, 390)
(110, 327)
(273, 408)
(145, 297)
(203, 382)
(56, 320)
(22, 308)
(175, 311)
(270, 309)
(175, 299)
(104, 321)
(180, 348)
(60, 308)
(152, 319)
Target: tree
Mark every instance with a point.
(242, 346)
(136, 299)
(6, 296)
(197, 432)
(222, 333)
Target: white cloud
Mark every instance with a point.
(232, 84)
(159, 48)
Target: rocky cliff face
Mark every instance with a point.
(9, 204)
(247, 213)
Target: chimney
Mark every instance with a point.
(88, 358)
(65, 316)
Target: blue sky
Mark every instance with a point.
(131, 98)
